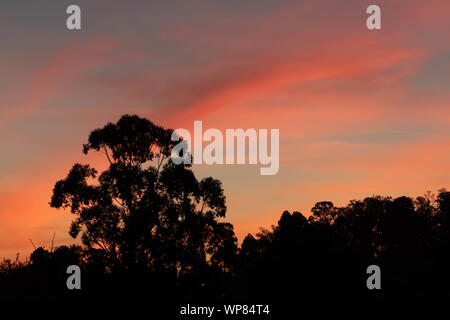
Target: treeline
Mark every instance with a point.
(325, 255)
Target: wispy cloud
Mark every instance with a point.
(56, 74)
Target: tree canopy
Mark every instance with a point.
(144, 210)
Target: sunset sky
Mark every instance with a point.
(360, 112)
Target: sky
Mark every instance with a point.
(360, 112)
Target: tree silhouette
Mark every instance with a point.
(143, 211)
(324, 257)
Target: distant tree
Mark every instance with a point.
(143, 210)
(323, 212)
(326, 255)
